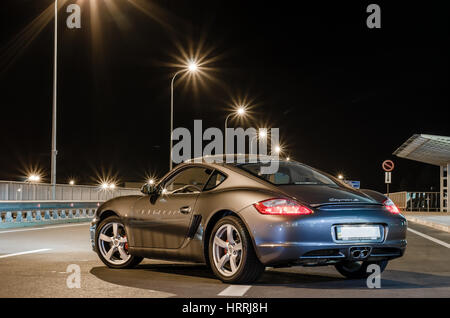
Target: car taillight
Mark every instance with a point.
(389, 204)
(281, 207)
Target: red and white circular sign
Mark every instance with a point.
(388, 165)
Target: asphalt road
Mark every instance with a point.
(424, 271)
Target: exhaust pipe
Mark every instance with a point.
(360, 252)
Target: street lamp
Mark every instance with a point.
(278, 149)
(33, 178)
(340, 177)
(262, 135)
(72, 182)
(192, 67)
(54, 151)
(239, 111)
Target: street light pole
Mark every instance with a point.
(54, 151)
(171, 118)
(226, 122)
(239, 111)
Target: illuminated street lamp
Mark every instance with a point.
(151, 181)
(340, 177)
(72, 182)
(261, 135)
(239, 111)
(33, 178)
(277, 149)
(192, 67)
(54, 151)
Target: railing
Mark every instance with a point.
(36, 212)
(23, 191)
(416, 201)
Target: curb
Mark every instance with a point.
(433, 225)
(10, 225)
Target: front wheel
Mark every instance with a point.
(231, 254)
(112, 244)
(358, 270)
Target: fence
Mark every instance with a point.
(416, 201)
(25, 213)
(24, 191)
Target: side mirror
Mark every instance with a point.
(149, 189)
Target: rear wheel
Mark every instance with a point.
(112, 244)
(358, 270)
(231, 254)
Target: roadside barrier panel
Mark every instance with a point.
(26, 213)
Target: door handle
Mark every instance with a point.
(185, 209)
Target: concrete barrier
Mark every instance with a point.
(21, 214)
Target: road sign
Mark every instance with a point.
(387, 177)
(388, 165)
(353, 184)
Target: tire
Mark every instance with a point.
(237, 250)
(354, 270)
(117, 260)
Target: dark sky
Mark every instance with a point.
(344, 96)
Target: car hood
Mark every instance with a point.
(315, 195)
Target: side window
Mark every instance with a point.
(216, 179)
(196, 176)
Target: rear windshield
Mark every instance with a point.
(289, 173)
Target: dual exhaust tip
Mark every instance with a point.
(360, 252)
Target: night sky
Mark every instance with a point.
(344, 96)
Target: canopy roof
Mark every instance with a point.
(430, 149)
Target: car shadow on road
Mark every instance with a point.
(145, 275)
(392, 279)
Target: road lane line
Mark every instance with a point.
(44, 228)
(26, 252)
(430, 238)
(235, 290)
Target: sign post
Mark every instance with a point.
(388, 166)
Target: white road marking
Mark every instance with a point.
(26, 252)
(44, 228)
(235, 290)
(430, 238)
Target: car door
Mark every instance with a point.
(162, 221)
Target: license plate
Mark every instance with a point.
(358, 233)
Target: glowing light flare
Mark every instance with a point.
(192, 66)
(33, 178)
(340, 177)
(277, 149)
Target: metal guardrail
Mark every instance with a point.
(416, 201)
(22, 212)
(22, 191)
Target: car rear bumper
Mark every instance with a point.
(311, 240)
